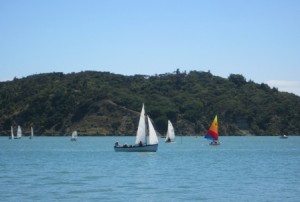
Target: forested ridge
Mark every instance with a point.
(103, 103)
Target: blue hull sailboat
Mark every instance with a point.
(141, 144)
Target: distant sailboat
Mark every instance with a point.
(12, 133)
(213, 132)
(31, 135)
(74, 136)
(19, 133)
(141, 144)
(283, 136)
(170, 137)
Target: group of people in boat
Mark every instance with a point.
(129, 145)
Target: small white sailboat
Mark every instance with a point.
(284, 136)
(12, 133)
(74, 136)
(141, 144)
(31, 135)
(170, 137)
(19, 133)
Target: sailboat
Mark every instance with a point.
(74, 136)
(283, 136)
(213, 132)
(141, 144)
(19, 133)
(12, 133)
(170, 137)
(31, 135)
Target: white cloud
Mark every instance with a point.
(286, 86)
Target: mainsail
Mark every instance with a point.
(19, 132)
(212, 132)
(74, 134)
(141, 132)
(12, 132)
(170, 133)
(31, 132)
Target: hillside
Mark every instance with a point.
(102, 103)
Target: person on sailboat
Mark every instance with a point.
(140, 144)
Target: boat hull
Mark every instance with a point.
(214, 143)
(144, 148)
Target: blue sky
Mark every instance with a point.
(259, 39)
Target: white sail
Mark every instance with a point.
(19, 132)
(152, 134)
(31, 132)
(170, 134)
(141, 132)
(74, 135)
(12, 133)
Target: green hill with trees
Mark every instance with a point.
(103, 103)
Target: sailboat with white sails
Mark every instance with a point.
(74, 136)
(31, 135)
(141, 144)
(12, 133)
(170, 137)
(19, 133)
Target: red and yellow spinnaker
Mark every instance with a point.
(213, 131)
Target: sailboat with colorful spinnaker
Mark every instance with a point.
(213, 132)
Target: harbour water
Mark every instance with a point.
(240, 169)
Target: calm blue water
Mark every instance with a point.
(241, 169)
